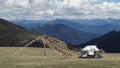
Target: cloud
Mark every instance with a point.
(17, 3)
(52, 9)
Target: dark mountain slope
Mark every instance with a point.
(109, 42)
(13, 35)
(64, 33)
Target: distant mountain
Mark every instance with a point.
(14, 35)
(109, 42)
(98, 21)
(97, 26)
(65, 33)
(29, 23)
(99, 29)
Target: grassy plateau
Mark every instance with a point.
(34, 58)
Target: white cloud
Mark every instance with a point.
(49, 9)
(108, 10)
(15, 3)
(39, 12)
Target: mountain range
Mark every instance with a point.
(29, 23)
(15, 35)
(97, 26)
(98, 21)
(65, 33)
(91, 26)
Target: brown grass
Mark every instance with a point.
(34, 58)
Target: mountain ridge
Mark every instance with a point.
(12, 35)
(103, 28)
(64, 33)
(85, 25)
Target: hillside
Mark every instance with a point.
(14, 35)
(109, 42)
(64, 33)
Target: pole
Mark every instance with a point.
(44, 49)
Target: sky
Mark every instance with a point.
(59, 9)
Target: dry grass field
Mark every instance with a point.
(34, 58)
